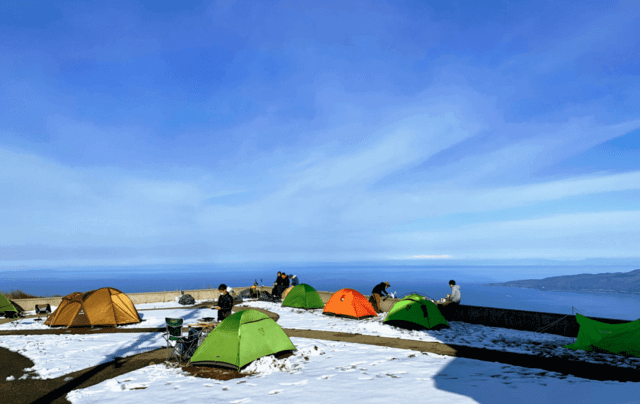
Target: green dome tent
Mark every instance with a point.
(240, 339)
(415, 312)
(303, 296)
(8, 308)
(622, 339)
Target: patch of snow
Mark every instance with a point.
(56, 355)
(458, 333)
(324, 372)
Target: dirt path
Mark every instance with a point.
(55, 390)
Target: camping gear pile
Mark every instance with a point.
(187, 300)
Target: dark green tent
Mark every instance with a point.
(416, 313)
(623, 339)
(8, 308)
(303, 296)
(240, 339)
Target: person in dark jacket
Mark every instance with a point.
(379, 289)
(284, 284)
(277, 283)
(225, 303)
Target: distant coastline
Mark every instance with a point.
(618, 282)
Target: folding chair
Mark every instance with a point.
(42, 309)
(174, 339)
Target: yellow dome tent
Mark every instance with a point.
(101, 307)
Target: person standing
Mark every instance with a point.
(378, 290)
(277, 283)
(225, 303)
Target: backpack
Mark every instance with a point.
(186, 300)
(267, 297)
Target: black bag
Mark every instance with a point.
(187, 300)
(268, 297)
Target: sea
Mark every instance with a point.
(404, 279)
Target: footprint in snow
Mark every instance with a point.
(325, 377)
(272, 392)
(295, 384)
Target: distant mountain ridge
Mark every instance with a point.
(618, 282)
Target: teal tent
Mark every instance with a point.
(303, 296)
(415, 312)
(622, 339)
(240, 339)
(9, 308)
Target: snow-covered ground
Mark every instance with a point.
(459, 333)
(57, 355)
(151, 319)
(165, 305)
(330, 372)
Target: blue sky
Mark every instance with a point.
(294, 131)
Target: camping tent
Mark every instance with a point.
(623, 339)
(240, 339)
(105, 307)
(415, 312)
(9, 308)
(303, 296)
(349, 303)
(286, 292)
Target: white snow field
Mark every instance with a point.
(57, 355)
(459, 333)
(151, 319)
(330, 372)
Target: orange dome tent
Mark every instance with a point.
(105, 307)
(349, 303)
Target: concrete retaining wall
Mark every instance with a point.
(520, 319)
(489, 316)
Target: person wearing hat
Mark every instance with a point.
(225, 303)
(379, 289)
(294, 280)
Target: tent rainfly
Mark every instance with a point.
(101, 307)
(415, 312)
(240, 339)
(303, 296)
(8, 308)
(349, 303)
(622, 339)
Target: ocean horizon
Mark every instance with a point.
(429, 280)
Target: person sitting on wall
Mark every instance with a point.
(225, 303)
(277, 283)
(294, 280)
(379, 289)
(284, 284)
(453, 298)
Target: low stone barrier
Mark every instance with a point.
(551, 323)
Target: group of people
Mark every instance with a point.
(283, 281)
(381, 289)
